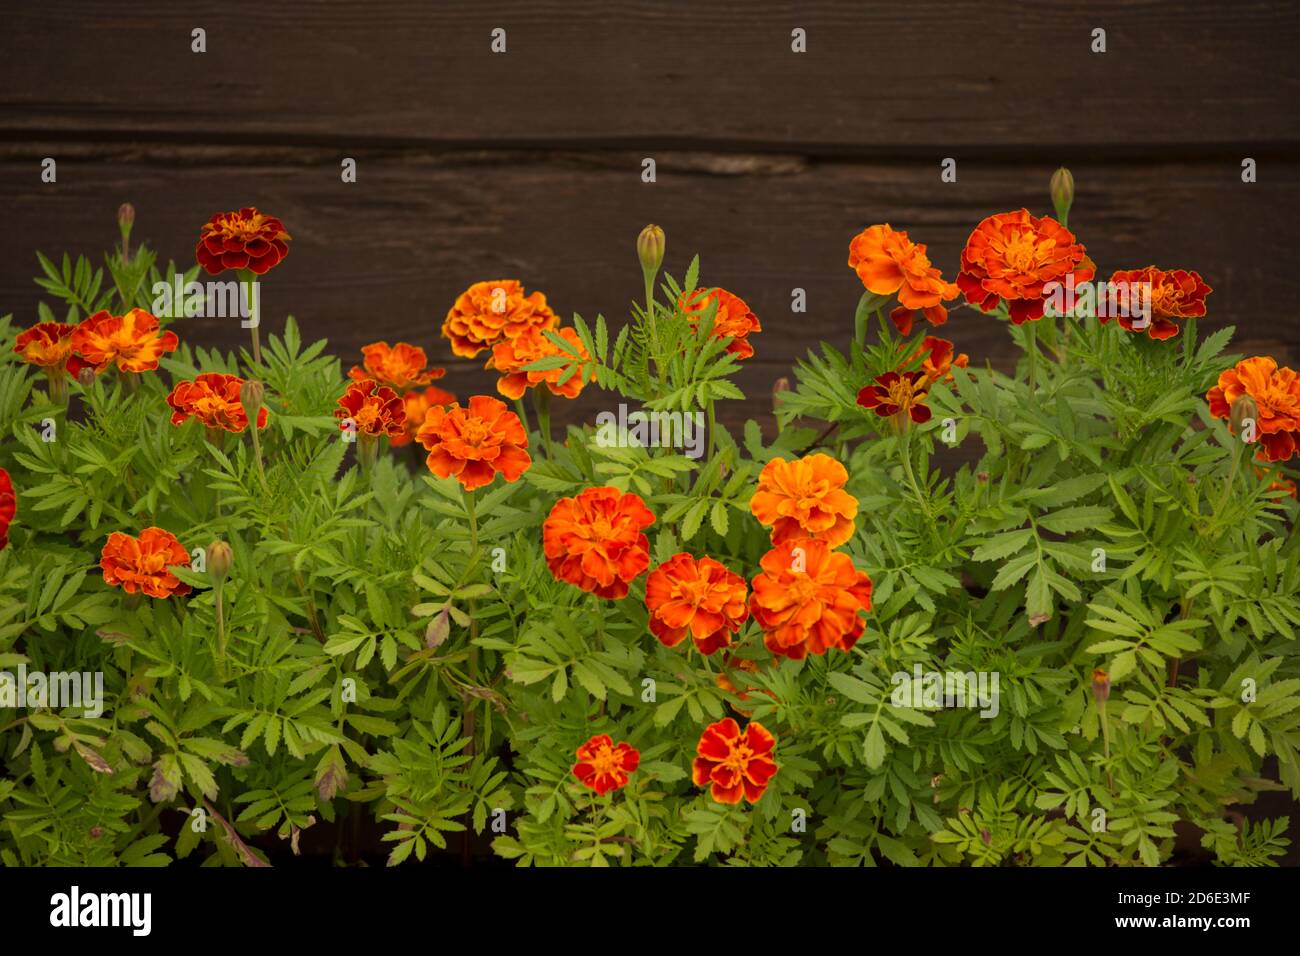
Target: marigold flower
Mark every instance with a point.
(888, 262)
(1010, 257)
(488, 312)
(898, 393)
(213, 398)
(475, 444)
(1277, 481)
(807, 598)
(937, 360)
(133, 342)
(805, 498)
(1100, 685)
(1177, 294)
(509, 356)
(594, 540)
(245, 239)
(8, 507)
(374, 410)
(417, 406)
(400, 367)
(602, 766)
(141, 564)
(732, 763)
(1276, 393)
(701, 598)
(47, 345)
(733, 319)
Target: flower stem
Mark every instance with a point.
(542, 401)
(257, 456)
(253, 316)
(1031, 347)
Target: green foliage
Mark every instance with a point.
(392, 649)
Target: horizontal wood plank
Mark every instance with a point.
(385, 257)
(960, 78)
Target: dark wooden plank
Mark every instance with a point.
(385, 257)
(957, 77)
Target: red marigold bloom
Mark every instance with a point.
(417, 406)
(734, 765)
(701, 598)
(733, 319)
(212, 398)
(888, 262)
(475, 444)
(488, 312)
(805, 498)
(1012, 255)
(400, 367)
(1276, 392)
(509, 356)
(47, 345)
(8, 507)
(132, 342)
(807, 599)
(594, 541)
(1177, 294)
(245, 239)
(895, 393)
(374, 410)
(602, 766)
(141, 564)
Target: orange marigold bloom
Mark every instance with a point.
(1277, 481)
(807, 599)
(594, 541)
(488, 312)
(888, 262)
(509, 356)
(733, 319)
(141, 564)
(602, 766)
(400, 367)
(8, 507)
(212, 398)
(1177, 294)
(1010, 257)
(374, 410)
(1276, 392)
(733, 764)
(897, 393)
(475, 444)
(805, 498)
(245, 239)
(701, 598)
(937, 360)
(132, 342)
(47, 345)
(417, 406)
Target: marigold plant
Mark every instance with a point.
(398, 624)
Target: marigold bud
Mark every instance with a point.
(650, 249)
(1243, 409)
(251, 394)
(86, 377)
(220, 559)
(1101, 685)
(125, 216)
(780, 385)
(1062, 190)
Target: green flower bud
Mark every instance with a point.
(650, 249)
(1062, 190)
(220, 560)
(251, 394)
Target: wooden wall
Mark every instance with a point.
(474, 165)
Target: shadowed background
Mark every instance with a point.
(474, 165)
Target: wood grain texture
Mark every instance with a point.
(958, 77)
